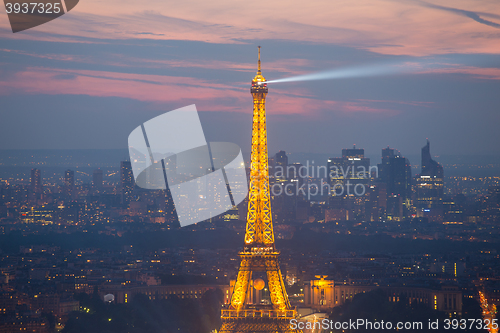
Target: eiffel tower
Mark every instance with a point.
(259, 256)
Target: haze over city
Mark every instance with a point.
(365, 197)
(107, 67)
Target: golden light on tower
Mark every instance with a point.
(259, 253)
(259, 284)
(259, 228)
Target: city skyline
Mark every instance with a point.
(115, 247)
(99, 82)
(373, 190)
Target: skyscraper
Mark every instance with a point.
(284, 180)
(429, 166)
(295, 173)
(492, 211)
(36, 182)
(429, 188)
(348, 171)
(97, 180)
(127, 181)
(395, 172)
(280, 163)
(69, 183)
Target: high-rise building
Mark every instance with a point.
(429, 188)
(375, 202)
(97, 180)
(296, 173)
(36, 184)
(126, 181)
(285, 180)
(69, 183)
(281, 162)
(349, 174)
(429, 166)
(395, 172)
(492, 211)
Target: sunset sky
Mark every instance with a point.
(88, 78)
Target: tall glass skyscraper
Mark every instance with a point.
(127, 181)
(69, 183)
(429, 188)
(395, 172)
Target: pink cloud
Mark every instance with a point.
(476, 72)
(363, 107)
(151, 88)
(413, 103)
(289, 66)
(168, 89)
(383, 26)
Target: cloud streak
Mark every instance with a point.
(382, 26)
(151, 88)
(472, 15)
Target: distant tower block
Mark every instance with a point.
(69, 183)
(259, 258)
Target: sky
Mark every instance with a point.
(88, 78)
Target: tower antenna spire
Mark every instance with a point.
(258, 63)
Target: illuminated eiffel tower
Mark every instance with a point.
(259, 255)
